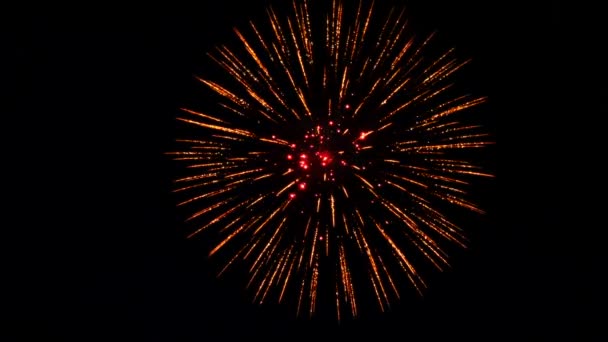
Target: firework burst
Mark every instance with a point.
(326, 161)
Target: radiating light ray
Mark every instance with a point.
(288, 274)
(348, 288)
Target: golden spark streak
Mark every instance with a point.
(219, 218)
(371, 92)
(301, 15)
(279, 265)
(298, 52)
(271, 216)
(366, 25)
(347, 281)
(227, 137)
(383, 127)
(201, 151)
(203, 116)
(325, 87)
(251, 247)
(378, 296)
(269, 277)
(382, 56)
(200, 142)
(411, 224)
(301, 259)
(343, 85)
(275, 141)
(465, 137)
(300, 297)
(307, 226)
(374, 269)
(333, 211)
(238, 174)
(360, 217)
(402, 53)
(388, 275)
(262, 42)
(206, 195)
(261, 283)
(226, 240)
(194, 166)
(450, 188)
(399, 252)
(441, 229)
(426, 239)
(314, 243)
(262, 177)
(268, 250)
(448, 226)
(256, 201)
(405, 105)
(445, 228)
(197, 185)
(345, 224)
(369, 185)
(235, 221)
(458, 108)
(338, 302)
(283, 44)
(326, 242)
(225, 93)
(396, 89)
(293, 83)
(445, 71)
(415, 280)
(394, 38)
(230, 262)
(354, 37)
(287, 186)
(238, 68)
(404, 179)
(328, 24)
(232, 109)
(465, 172)
(441, 147)
(221, 128)
(288, 275)
(267, 78)
(278, 31)
(252, 53)
(221, 168)
(345, 192)
(308, 36)
(442, 178)
(337, 33)
(459, 201)
(434, 249)
(313, 287)
(208, 157)
(208, 209)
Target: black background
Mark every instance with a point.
(94, 248)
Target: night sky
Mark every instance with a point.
(101, 253)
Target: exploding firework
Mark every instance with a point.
(326, 154)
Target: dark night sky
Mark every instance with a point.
(100, 255)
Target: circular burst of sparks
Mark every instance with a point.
(328, 156)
